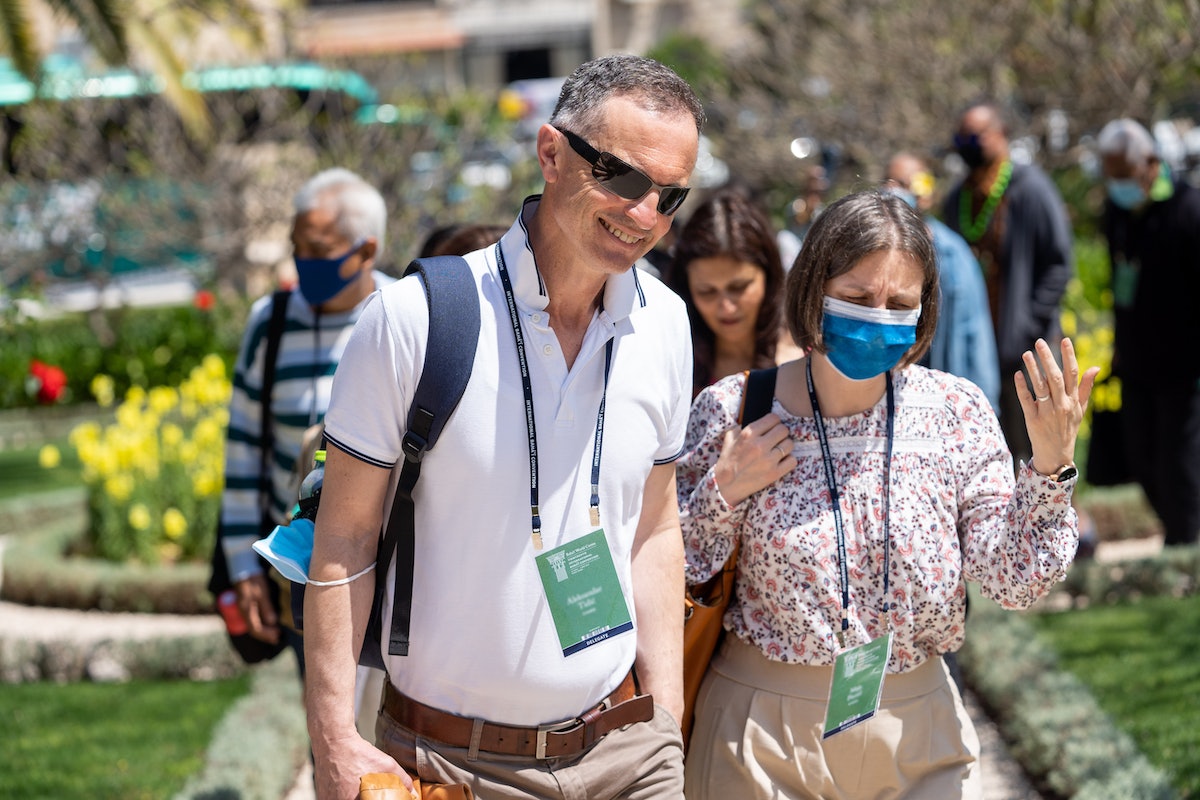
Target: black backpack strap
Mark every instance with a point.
(759, 394)
(275, 328)
(453, 300)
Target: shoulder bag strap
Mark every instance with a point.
(759, 394)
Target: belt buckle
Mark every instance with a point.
(548, 728)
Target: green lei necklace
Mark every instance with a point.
(973, 229)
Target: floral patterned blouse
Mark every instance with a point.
(956, 514)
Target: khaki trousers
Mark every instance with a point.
(758, 735)
(643, 761)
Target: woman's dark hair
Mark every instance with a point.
(467, 238)
(847, 232)
(729, 223)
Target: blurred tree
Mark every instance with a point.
(105, 185)
(142, 33)
(876, 76)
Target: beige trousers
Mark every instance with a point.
(758, 735)
(643, 761)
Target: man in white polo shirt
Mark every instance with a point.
(516, 625)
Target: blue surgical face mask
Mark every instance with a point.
(864, 342)
(320, 278)
(1125, 193)
(289, 548)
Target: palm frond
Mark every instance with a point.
(102, 23)
(18, 37)
(166, 64)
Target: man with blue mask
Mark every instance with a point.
(1015, 221)
(964, 343)
(337, 233)
(1152, 224)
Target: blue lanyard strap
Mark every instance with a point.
(831, 482)
(530, 424)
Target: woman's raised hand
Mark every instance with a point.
(753, 457)
(1055, 408)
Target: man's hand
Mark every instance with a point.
(339, 766)
(254, 601)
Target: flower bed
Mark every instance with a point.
(154, 477)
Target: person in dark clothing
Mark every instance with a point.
(1152, 224)
(1014, 219)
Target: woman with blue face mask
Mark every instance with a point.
(862, 505)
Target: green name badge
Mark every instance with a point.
(584, 593)
(857, 685)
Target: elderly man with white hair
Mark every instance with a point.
(337, 234)
(1152, 224)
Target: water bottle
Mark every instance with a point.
(310, 488)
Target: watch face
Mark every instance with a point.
(1066, 474)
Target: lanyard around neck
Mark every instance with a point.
(530, 424)
(831, 482)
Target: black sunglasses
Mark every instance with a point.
(624, 180)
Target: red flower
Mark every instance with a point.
(48, 381)
(204, 300)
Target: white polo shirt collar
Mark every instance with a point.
(623, 293)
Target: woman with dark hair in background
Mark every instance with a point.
(726, 268)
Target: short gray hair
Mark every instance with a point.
(358, 206)
(1128, 139)
(656, 86)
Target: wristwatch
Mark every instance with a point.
(1063, 473)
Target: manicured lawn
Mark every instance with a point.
(129, 741)
(21, 474)
(1142, 663)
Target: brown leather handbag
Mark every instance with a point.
(386, 786)
(707, 602)
(702, 630)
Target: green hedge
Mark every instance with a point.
(38, 571)
(1056, 730)
(134, 346)
(259, 746)
(1175, 572)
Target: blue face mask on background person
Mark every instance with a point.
(1125, 193)
(969, 149)
(320, 280)
(864, 342)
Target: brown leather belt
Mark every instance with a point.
(554, 740)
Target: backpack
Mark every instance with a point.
(453, 301)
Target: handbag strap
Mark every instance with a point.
(758, 395)
(757, 398)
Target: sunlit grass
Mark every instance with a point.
(1142, 663)
(136, 740)
(21, 472)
